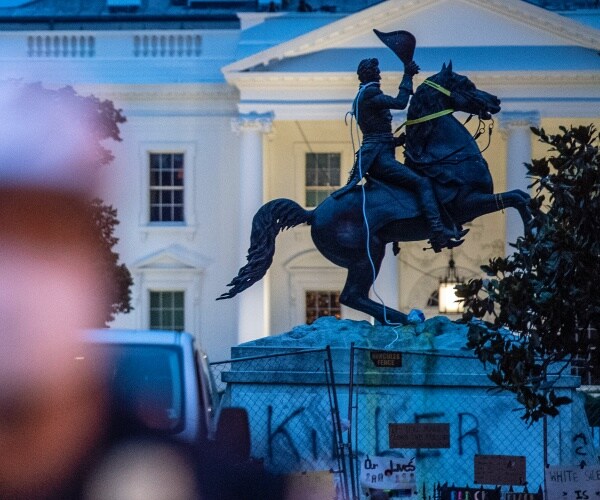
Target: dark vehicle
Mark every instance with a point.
(162, 380)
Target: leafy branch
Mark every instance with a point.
(531, 313)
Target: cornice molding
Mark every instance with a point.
(162, 92)
(252, 122)
(282, 80)
(518, 119)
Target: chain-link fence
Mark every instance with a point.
(440, 421)
(592, 410)
(292, 407)
(577, 430)
(430, 420)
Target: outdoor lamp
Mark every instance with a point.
(448, 302)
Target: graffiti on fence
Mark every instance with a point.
(283, 431)
(473, 432)
(292, 434)
(580, 450)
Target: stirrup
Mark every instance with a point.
(460, 234)
(439, 241)
(448, 244)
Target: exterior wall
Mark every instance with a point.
(172, 92)
(200, 256)
(175, 98)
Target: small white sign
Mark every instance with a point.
(565, 482)
(388, 473)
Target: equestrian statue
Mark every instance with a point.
(444, 183)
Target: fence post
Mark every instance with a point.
(351, 455)
(545, 444)
(335, 410)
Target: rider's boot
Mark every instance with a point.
(442, 236)
(439, 241)
(445, 237)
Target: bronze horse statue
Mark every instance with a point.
(352, 230)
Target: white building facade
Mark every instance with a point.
(227, 110)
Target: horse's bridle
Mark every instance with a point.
(444, 112)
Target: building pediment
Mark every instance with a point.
(435, 23)
(174, 257)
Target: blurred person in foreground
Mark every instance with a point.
(51, 412)
(61, 434)
(57, 432)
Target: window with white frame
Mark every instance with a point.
(167, 310)
(166, 187)
(322, 176)
(321, 303)
(314, 287)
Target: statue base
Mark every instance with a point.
(433, 379)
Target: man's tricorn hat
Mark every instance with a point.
(401, 42)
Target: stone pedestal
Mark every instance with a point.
(439, 381)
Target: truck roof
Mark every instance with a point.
(136, 337)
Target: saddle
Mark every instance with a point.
(385, 203)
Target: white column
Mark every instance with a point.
(253, 313)
(515, 126)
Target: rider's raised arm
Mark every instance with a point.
(400, 101)
(405, 90)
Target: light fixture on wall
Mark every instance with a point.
(448, 302)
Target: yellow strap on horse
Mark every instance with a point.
(438, 87)
(432, 116)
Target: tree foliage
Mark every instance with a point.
(103, 120)
(107, 119)
(119, 284)
(529, 318)
(88, 109)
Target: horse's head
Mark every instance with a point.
(464, 95)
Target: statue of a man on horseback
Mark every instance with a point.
(352, 227)
(376, 156)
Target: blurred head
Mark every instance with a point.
(51, 409)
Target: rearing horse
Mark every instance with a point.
(352, 230)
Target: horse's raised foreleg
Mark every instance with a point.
(475, 205)
(356, 291)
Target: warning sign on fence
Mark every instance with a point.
(388, 473)
(565, 482)
(419, 435)
(386, 359)
(313, 485)
(500, 469)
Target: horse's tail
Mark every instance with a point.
(271, 218)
